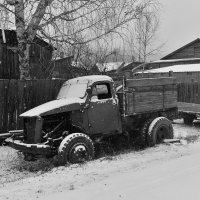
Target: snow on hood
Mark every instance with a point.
(55, 106)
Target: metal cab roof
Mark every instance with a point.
(89, 79)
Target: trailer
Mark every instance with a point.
(188, 111)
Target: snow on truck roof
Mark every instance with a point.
(175, 68)
(90, 79)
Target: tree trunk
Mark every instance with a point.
(23, 45)
(24, 59)
(26, 35)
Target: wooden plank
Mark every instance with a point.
(152, 98)
(20, 106)
(189, 107)
(1, 105)
(5, 105)
(150, 82)
(11, 104)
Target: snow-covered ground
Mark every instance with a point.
(162, 172)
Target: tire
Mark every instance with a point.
(160, 128)
(75, 148)
(144, 132)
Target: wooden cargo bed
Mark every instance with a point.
(148, 95)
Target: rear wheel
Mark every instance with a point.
(159, 129)
(76, 148)
(144, 132)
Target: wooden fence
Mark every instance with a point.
(17, 96)
(189, 92)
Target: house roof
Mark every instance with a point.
(110, 66)
(175, 68)
(11, 39)
(170, 61)
(128, 66)
(176, 60)
(194, 41)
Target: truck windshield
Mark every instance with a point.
(72, 90)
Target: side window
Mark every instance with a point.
(102, 91)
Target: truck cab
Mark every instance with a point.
(103, 108)
(99, 111)
(87, 105)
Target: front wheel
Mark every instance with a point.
(75, 148)
(159, 129)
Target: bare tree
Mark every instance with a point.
(67, 21)
(89, 55)
(143, 39)
(146, 34)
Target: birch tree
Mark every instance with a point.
(142, 39)
(145, 32)
(68, 21)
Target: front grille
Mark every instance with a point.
(29, 130)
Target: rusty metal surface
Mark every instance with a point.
(11, 133)
(103, 116)
(53, 107)
(38, 130)
(29, 124)
(79, 121)
(89, 79)
(29, 148)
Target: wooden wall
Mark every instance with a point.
(40, 57)
(192, 50)
(189, 92)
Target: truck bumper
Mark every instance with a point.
(36, 149)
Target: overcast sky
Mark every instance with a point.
(180, 23)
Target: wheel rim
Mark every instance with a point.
(162, 133)
(78, 153)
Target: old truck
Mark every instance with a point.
(89, 109)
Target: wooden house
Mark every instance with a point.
(126, 69)
(187, 54)
(66, 68)
(183, 63)
(190, 50)
(40, 57)
(184, 73)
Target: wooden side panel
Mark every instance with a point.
(151, 95)
(150, 82)
(148, 101)
(170, 96)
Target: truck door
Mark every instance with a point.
(103, 112)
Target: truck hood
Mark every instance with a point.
(55, 106)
